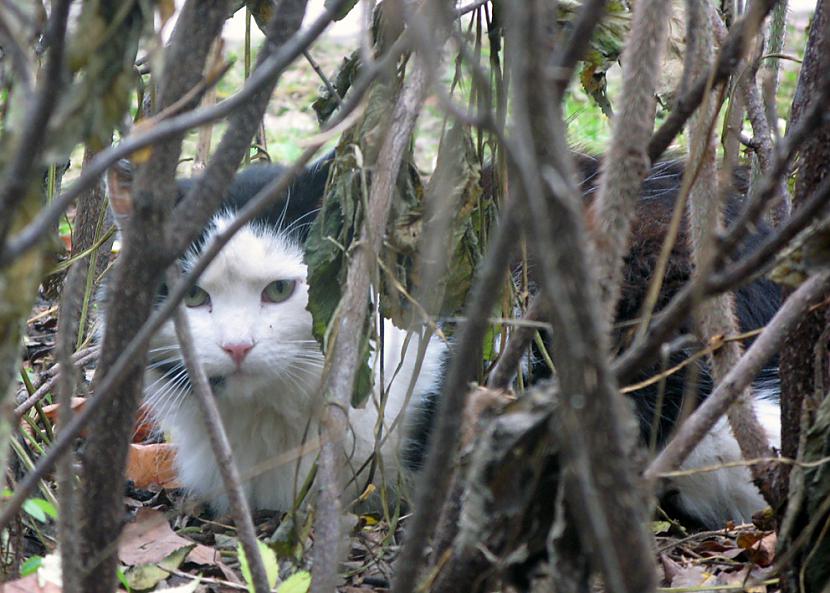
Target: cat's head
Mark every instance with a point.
(248, 317)
(247, 311)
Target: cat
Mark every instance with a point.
(715, 497)
(709, 498)
(253, 337)
(253, 333)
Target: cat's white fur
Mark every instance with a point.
(727, 494)
(270, 404)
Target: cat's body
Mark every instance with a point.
(711, 497)
(253, 337)
(265, 366)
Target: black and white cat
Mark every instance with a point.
(253, 337)
(253, 334)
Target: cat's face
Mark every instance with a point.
(248, 318)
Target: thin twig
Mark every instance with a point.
(54, 374)
(68, 323)
(221, 447)
(520, 338)
(322, 75)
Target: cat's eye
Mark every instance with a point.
(278, 291)
(196, 297)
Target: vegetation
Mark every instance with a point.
(471, 108)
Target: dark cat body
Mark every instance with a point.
(712, 498)
(755, 303)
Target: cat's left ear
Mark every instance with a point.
(120, 191)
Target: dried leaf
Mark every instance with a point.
(146, 576)
(759, 547)
(149, 539)
(152, 465)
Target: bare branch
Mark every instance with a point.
(591, 405)
(338, 384)
(626, 163)
(716, 316)
(728, 59)
(221, 450)
(137, 275)
(32, 138)
(70, 310)
(505, 369)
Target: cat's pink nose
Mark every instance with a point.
(238, 351)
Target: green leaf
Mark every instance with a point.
(299, 582)
(658, 527)
(44, 507)
(146, 576)
(331, 233)
(40, 510)
(122, 578)
(269, 559)
(31, 565)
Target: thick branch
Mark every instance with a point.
(626, 163)
(339, 383)
(137, 275)
(598, 429)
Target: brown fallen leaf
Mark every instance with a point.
(759, 547)
(149, 540)
(144, 427)
(51, 410)
(152, 465)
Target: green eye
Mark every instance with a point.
(278, 291)
(196, 297)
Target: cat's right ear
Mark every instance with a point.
(120, 191)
